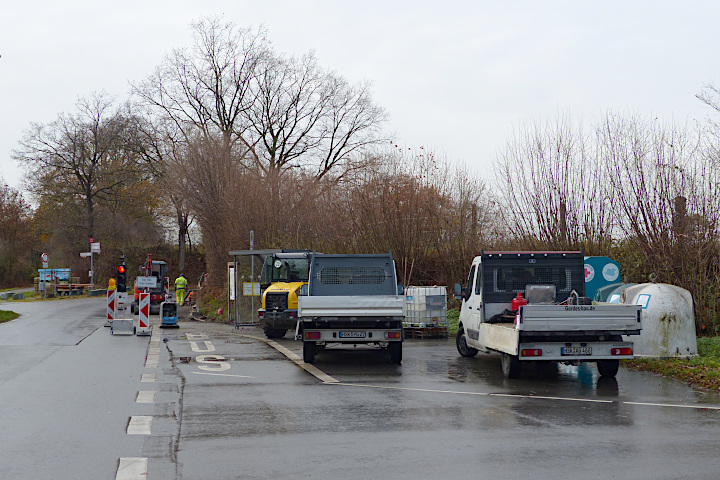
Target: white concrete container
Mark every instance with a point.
(668, 320)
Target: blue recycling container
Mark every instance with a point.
(600, 272)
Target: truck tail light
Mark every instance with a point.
(261, 314)
(312, 335)
(531, 352)
(621, 351)
(392, 334)
(291, 314)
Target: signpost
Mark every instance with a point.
(94, 248)
(45, 259)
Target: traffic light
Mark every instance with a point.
(121, 277)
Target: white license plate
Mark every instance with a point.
(352, 334)
(576, 351)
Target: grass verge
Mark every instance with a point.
(6, 316)
(702, 371)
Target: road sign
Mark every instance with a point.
(45, 259)
(95, 247)
(147, 282)
(85, 254)
(251, 289)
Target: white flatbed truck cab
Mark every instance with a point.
(530, 306)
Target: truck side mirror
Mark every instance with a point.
(458, 292)
(400, 290)
(304, 290)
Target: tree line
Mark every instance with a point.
(228, 136)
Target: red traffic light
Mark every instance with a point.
(121, 268)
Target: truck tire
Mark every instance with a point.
(462, 346)
(309, 352)
(510, 366)
(395, 349)
(608, 368)
(274, 332)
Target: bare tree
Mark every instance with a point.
(309, 118)
(17, 237)
(200, 94)
(431, 214)
(264, 115)
(666, 190)
(552, 189)
(88, 155)
(209, 176)
(208, 87)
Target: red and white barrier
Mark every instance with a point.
(111, 305)
(143, 315)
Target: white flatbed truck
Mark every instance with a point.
(351, 300)
(557, 324)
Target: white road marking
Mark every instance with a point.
(139, 425)
(209, 347)
(132, 468)
(535, 397)
(311, 369)
(149, 377)
(153, 356)
(146, 396)
(214, 363)
(325, 378)
(481, 394)
(222, 374)
(195, 336)
(699, 407)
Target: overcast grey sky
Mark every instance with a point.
(455, 76)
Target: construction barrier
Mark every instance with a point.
(143, 327)
(111, 305)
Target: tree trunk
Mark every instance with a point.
(182, 222)
(90, 215)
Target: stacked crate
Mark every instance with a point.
(426, 311)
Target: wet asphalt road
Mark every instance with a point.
(436, 416)
(228, 405)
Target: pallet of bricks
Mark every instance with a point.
(426, 312)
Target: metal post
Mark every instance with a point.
(235, 292)
(252, 277)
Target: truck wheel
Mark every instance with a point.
(608, 368)
(462, 346)
(510, 366)
(274, 332)
(395, 349)
(309, 352)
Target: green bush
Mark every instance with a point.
(453, 317)
(709, 347)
